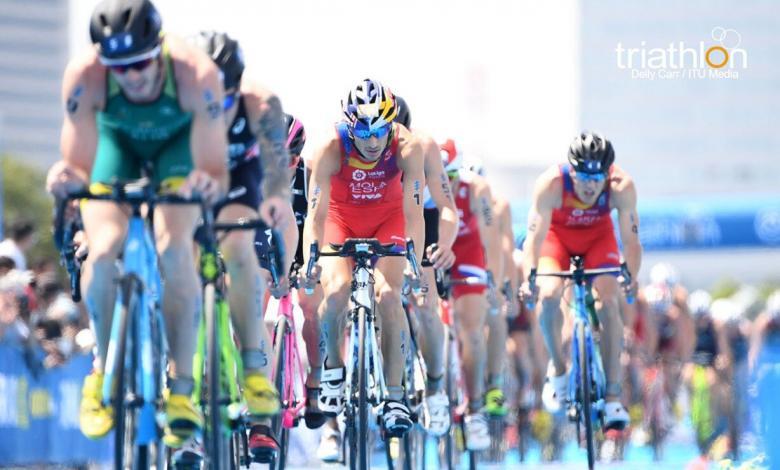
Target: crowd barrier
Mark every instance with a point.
(39, 412)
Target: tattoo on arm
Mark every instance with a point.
(213, 108)
(487, 211)
(72, 104)
(272, 138)
(315, 197)
(445, 186)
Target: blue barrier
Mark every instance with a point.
(39, 413)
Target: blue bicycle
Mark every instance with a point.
(136, 357)
(587, 382)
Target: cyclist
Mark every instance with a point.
(477, 253)
(441, 228)
(766, 330)
(497, 323)
(708, 353)
(367, 182)
(570, 216)
(258, 168)
(142, 98)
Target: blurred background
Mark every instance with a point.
(511, 82)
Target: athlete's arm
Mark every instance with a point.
(546, 197)
(81, 93)
(266, 118)
(624, 200)
(325, 163)
(482, 205)
(413, 167)
(200, 92)
(757, 340)
(439, 187)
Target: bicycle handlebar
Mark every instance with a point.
(357, 248)
(582, 274)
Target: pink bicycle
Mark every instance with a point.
(288, 377)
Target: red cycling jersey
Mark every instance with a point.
(468, 249)
(579, 229)
(366, 198)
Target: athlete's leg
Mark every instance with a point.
(245, 294)
(431, 333)
(470, 312)
(496, 347)
(105, 226)
(311, 332)
(551, 321)
(336, 282)
(182, 300)
(394, 329)
(607, 305)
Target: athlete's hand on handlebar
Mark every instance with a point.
(281, 289)
(628, 283)
(277, 212)
(202, 183)
(313, 270)
(442, 257)
(529, 290)
(62, 179)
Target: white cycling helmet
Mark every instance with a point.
(699, 303)
(658, 297)
(773, 304)
(725, 311)
(664, 273)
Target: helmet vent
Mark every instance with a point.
(103, 21)
(126, 17)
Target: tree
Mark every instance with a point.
(24, 196)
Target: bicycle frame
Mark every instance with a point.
(139, 259)
(292, 402)
(581, 317)
(363, 297)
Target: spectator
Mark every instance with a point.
(21, 238)
(13, 322)
(6, 264)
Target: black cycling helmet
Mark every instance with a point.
(404, 117)
(226, 53)
(591, 153)
(124, 29)
(296, 135)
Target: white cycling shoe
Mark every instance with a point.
(329, 449)
(436, 414)
(477, 432)
(331, 395)
(615, 416)
(554, 391)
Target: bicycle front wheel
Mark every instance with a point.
(586, 388)
(124, 379)
(363, 455)
(279, 372)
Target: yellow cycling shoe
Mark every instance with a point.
(183, 419)
(495, 403)
(95, 419)
(260, 395)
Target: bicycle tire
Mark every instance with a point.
(124, 427)
(280, 352)
(216, 448)
(363, 452)
(585, 394)
(448, 446)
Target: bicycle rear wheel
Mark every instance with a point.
(124, 380)
(586, 393)
(279, 346)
